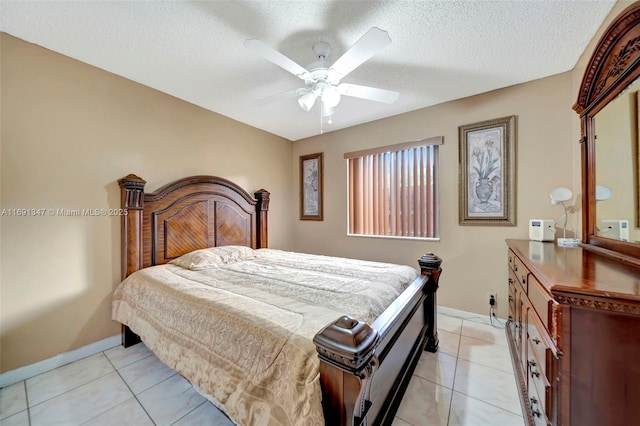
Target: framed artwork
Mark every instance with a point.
(487, 173)
(311, 187)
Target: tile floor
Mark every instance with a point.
(469, 381)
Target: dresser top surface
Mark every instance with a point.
(574, 270)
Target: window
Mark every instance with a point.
(393, 190)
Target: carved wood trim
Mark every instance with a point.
(262, 209)
(598, 303)
(614, 64)
(132, 200)
(617, 52)
(556, 326)
(139, 233)
(520, 377)
(169, 188)
(347, 343)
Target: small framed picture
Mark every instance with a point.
(487, 173)
(311, 187)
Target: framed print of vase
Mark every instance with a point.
(311, 187)
(487, 172)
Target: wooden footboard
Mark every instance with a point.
(365, 370)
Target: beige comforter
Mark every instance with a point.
(242, 331)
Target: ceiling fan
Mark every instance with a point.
(322, 79)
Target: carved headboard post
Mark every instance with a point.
(132, 199)
(262, 208)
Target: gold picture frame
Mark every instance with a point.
(487, 172)
(311, 186)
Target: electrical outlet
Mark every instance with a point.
(493, 299)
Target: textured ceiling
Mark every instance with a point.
(440, 50)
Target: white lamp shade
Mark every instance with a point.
(560, 194)
(603, 192)
(307, 100)
(330, 97)
(327, 110)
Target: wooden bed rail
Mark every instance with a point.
(365, 370)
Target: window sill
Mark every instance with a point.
(391, 237)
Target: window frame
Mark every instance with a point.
(435, 168)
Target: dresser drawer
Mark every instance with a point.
(541, 301)
(538, 387)
(538, 342)
(537, 409)
(511, 259)
(540, 370)
(520, 271)
(512, 295)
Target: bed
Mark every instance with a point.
(359, 368)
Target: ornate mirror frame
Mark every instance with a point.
(614, 65)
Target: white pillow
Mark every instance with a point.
(213, 257)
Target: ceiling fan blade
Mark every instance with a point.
(370, 93)
(277, 58)
(369, 44)
(281, 96)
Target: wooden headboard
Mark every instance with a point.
(188, 214)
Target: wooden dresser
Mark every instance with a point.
(574, 335)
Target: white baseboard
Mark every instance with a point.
(28, 371)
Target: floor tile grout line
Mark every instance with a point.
(132, 392)
(471, 362)
(186, 414)
(140, 403)
(131, 363)
(66, 391)
(117, 370)
(488, 403)
(455, 370)
(26, 400)
(108, 409)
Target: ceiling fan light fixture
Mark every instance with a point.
(307, 100)
(327, 110)
(322, 79)
(330, 97)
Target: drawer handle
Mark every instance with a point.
(510, 298)
(536, 340)
(534, 411)
(516, 267)
(524, 279)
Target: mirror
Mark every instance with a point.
(608, 107)
(616, 167)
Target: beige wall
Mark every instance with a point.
(474, 256)
(69, 132)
